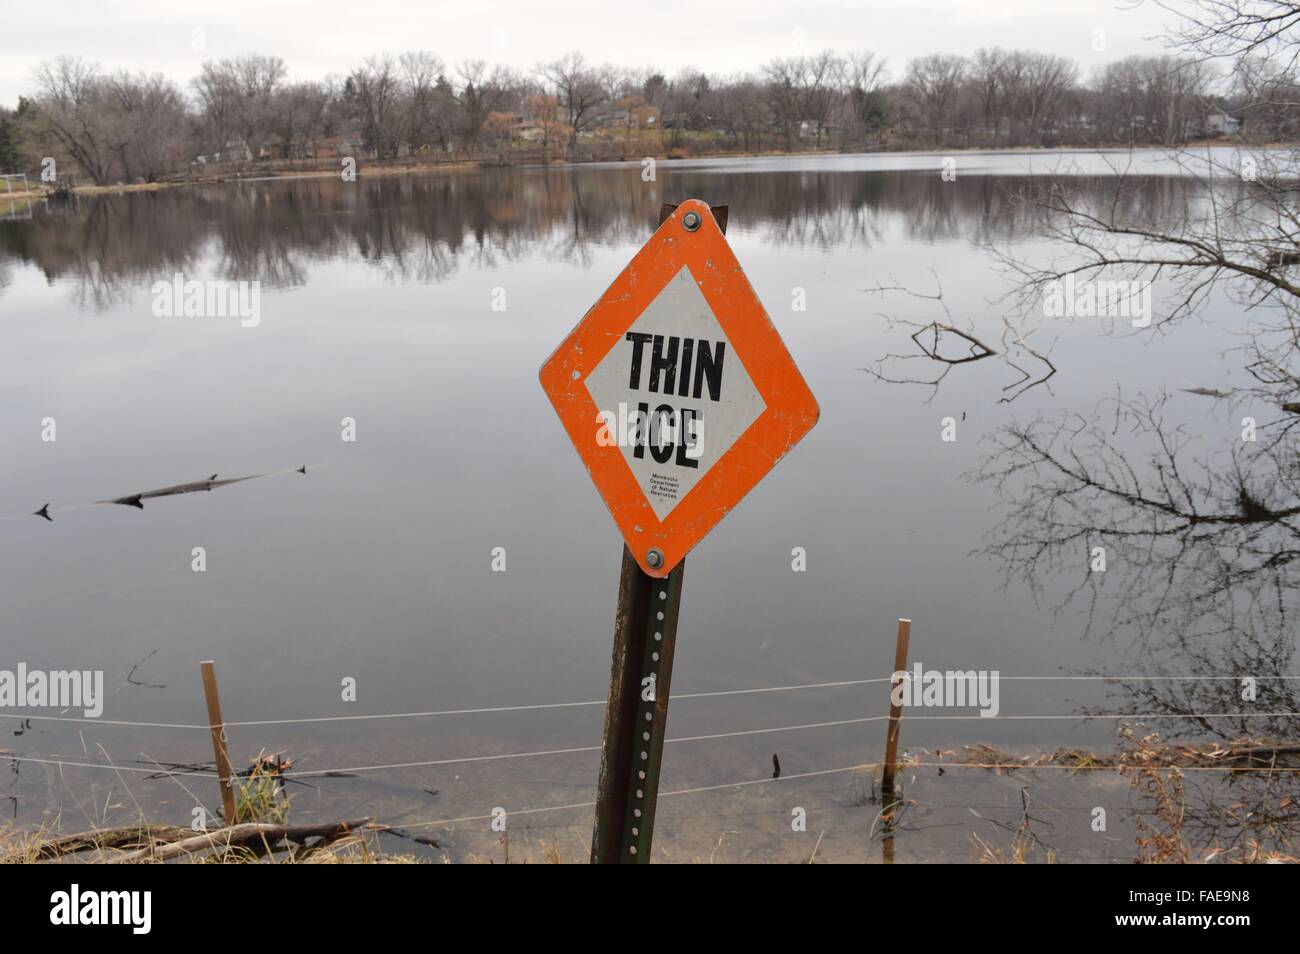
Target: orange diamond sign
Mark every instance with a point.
(677, 390)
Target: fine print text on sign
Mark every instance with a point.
(677, 391)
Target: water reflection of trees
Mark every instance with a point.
(425, 228)
(104, 245)
(1201, 547)
(1202, 550)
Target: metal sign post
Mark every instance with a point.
(645, 632)
(679, 396)
(636, 716)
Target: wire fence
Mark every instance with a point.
(766, 730)
(173, 771)
(205, 727)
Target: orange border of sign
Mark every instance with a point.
(790, 412)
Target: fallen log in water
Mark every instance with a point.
(259, 835)
(193, 486)
(189, 487)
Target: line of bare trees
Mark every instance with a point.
(125, 126)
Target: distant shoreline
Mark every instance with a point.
(375, 169)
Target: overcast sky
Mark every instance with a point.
(316, 37)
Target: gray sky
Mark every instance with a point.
(316, 37)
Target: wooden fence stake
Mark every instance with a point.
(895, 712)
(219, 740)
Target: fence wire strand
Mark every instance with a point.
(601, 702)
(429, 763)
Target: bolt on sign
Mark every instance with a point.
(677, 391)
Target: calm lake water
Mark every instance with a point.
(377, 304)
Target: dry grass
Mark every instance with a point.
(1160, 834)
(1018, 852)
(260, 796)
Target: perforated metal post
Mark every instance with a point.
(636, 717)
(645, 633)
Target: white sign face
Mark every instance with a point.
(673, 394)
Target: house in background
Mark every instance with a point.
(1219, 123)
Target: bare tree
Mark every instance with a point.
(237, 98)
(71, 103)
(483, 90)
(299, 116)
(821, 81)
(988, 79)
(420, 74)
(783, 88)
(1152, 99)
(864, 102)
(578, 89)
(689, 104)
(377, 91)
(150, 113)
(1035, 88)
(932, 86)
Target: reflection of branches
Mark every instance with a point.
(1194, 679)
(1236, 234)
(1199, 557)
(1189, 545)
(933, 341)
(1027, 380)
(1201, 247)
